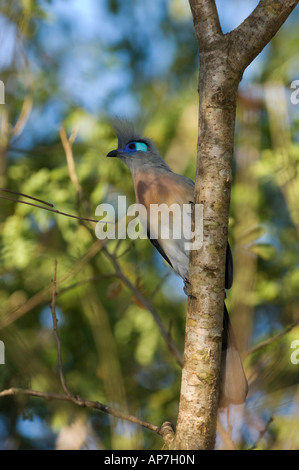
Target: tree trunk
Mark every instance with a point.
(223, 59)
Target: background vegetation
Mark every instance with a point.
(67, 66)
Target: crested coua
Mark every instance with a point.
(156, 184)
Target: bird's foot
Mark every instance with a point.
(188, 289)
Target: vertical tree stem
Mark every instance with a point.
(223, 59)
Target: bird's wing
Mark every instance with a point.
(169, 188)
(228, 268)
(168, 192)
(158, 247)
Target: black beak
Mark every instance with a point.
(113, 153)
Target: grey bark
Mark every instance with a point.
(223, 59)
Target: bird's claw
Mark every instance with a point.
(188, 289)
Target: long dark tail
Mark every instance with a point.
(234, 386)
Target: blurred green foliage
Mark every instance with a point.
(112, 349)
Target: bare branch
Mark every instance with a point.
(67, 145)
(262, 433)
(160, 285)
(167, 432)
(57, 339)
(98, 277)
(223, 59)
(23, 117)
(250, 38)
(26, 195)
(272, 339)
(79, 401)
(43, 296)
(53, 210)
(147, 304)
(206, 22)
(225, 436)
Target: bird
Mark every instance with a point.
(156, 184)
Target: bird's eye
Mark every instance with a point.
(136, 147)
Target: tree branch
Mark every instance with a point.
(206, 22)
(147, 304)
(67, 146)
(57, 339)
(25, 195)
(79, 401)
(46, 208)
(274, 338)
(223, 60)
(41, 297)
(250, 37)
(217, 84)
(165, 431)
(262, 433)
(76, 399)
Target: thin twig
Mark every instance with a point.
(262, 433)
(119, 242)
(43, 296)
(23, 117)
(57, 339)
(79, 401)
(147, 304)
(273, 339)
(67, 145)
(26, 195)
(159, 286)
(98, 277)
(225, 436)
(121, 255)
(55, 211)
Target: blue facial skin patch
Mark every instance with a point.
(132, 147)
(141, 147)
